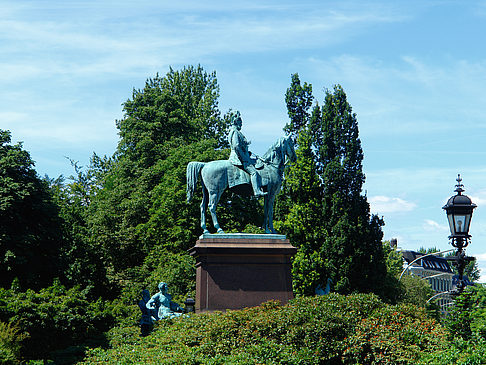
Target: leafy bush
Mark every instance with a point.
(393, 335)
(460, 352)
(466, 323)
(54, 318)
(10, 339)
(310, 330)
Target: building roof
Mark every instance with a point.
(435, 263)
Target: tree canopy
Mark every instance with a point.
(30, 229)
(322, 209)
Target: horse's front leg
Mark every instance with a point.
(213, 202)
(265, 214)
(271, 201)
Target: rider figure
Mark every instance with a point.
(240, 156)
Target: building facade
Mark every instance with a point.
(436, 270)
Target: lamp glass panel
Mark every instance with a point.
(467, 222)
(460, 223)
(450, 217)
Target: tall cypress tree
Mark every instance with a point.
(342, 240)
(354, 255)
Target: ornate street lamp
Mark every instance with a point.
(459, 209)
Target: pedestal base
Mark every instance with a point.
(234, 273)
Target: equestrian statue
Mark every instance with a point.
(244, 175)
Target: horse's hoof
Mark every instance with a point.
(220, 231)
(205, 231)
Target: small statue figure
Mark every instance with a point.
(146, 322)
(162, 306)
(326, 290)
(240, 155)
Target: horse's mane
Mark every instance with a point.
(267, 157)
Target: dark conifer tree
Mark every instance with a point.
(341, 240)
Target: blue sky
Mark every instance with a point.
(414, 72)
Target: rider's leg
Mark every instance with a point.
(256, 181)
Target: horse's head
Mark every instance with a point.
(279, 152)
(288, 146)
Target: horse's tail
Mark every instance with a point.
(192, 176)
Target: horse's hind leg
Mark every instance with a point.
(265, 214)
(204, 206)
(213, 202)
(268, 213)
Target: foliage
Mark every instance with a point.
(458, 351)
(472, 270)
(393, 260)
(300, 211)
(10, 343)
(174, 119)
(321, 208)
(392, 289)
(466, 323)
(29, 227)
(298, 99)
(416, 291)
(393, 335)
(175, 269)
(467, 318)
(429, 250)
(54, 318)
(82, 262)
(309, 330)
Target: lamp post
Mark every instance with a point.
(459, 209)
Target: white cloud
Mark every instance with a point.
(431, 225)
(480, 257)
(171, 34)
(384, 204)
(479, 197)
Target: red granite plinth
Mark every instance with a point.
(234, 273)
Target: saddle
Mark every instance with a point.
(238, 176)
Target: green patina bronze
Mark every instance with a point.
(242, 174)
(161, 306)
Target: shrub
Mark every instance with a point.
(10, 338)
(394, 335)
(54, 318)
(458, 351)
(310, 330)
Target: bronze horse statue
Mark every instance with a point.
(216, 176)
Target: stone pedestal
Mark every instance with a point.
(234, 271)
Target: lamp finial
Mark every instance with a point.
(459, 186)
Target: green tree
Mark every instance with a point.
(139, 216)
(54, 318)
(29, 224)
(471, 270)
(169, 113)
(353, 246)
(467, 318)
(82, 262)
(392, 288)
(300, 211)
(299, 100)
(340, 240)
